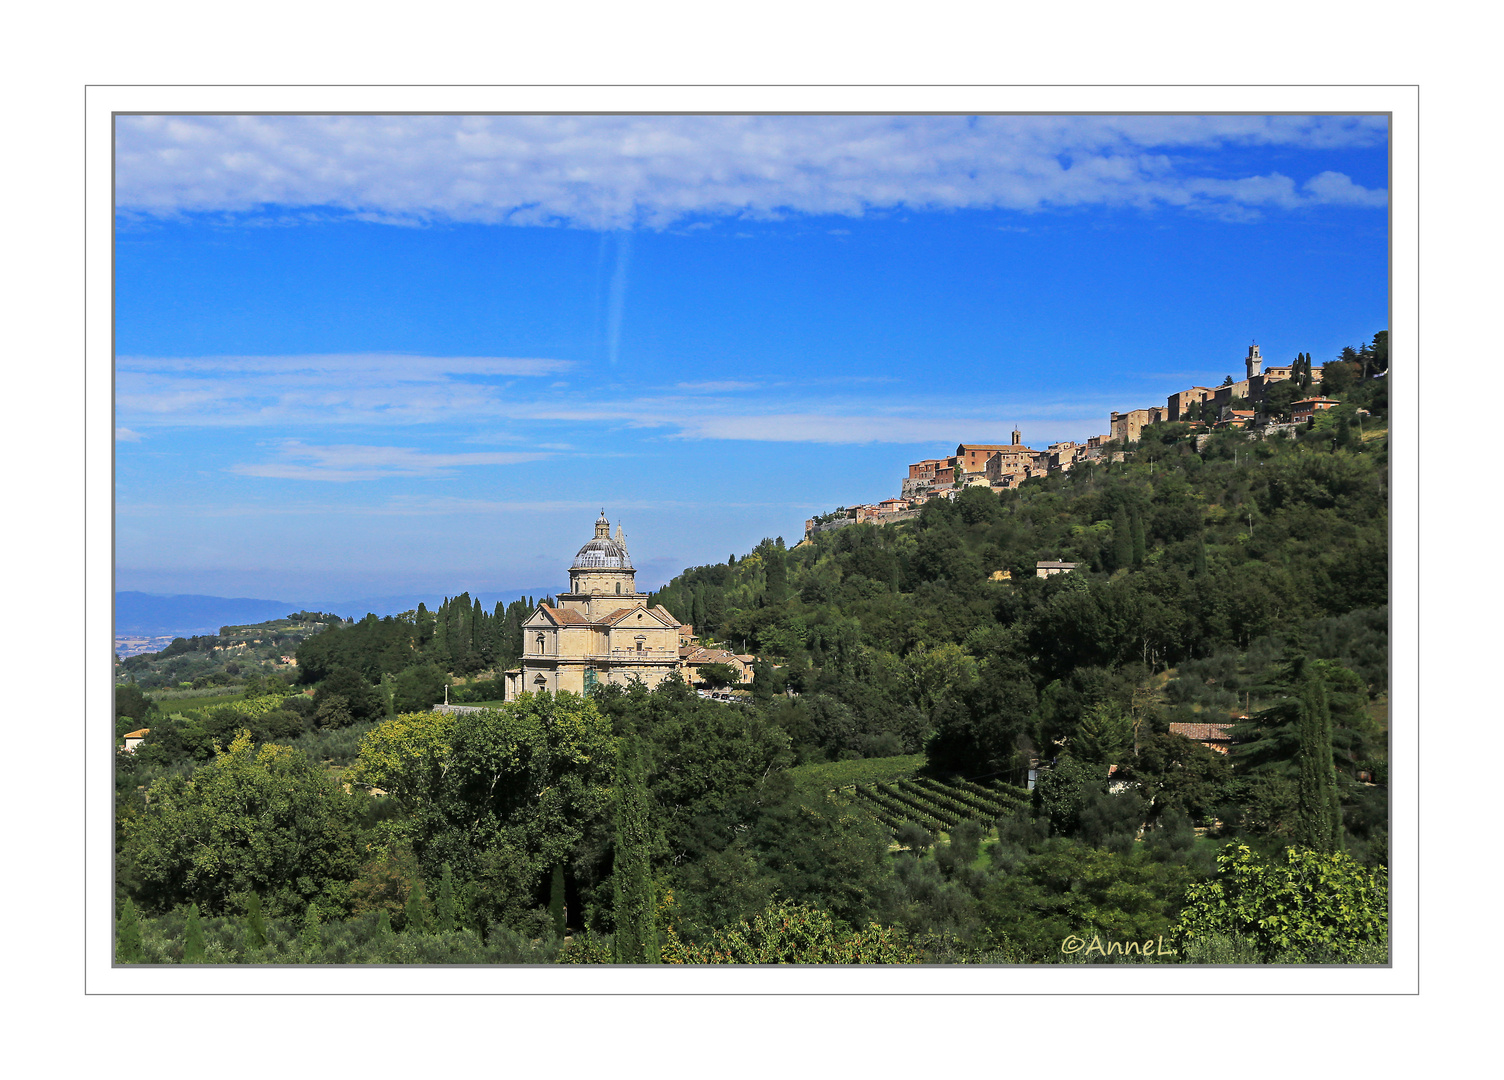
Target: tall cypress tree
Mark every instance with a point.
(1139, 547)
(193, 937)
(415, 914)
(311, 937)
(128, 935)
(443, 912)
(1122, 540)
(255, 923)
(1319, 809)
(632, 876)
(556, 901)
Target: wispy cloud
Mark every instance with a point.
(724, 387)
(616, 172)
(125, 434)
(341, 388)
(297, 461)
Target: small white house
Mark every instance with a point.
(133, 739)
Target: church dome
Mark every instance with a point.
(602, 552)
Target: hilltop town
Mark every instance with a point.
(1265, 400)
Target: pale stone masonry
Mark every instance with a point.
(1126, 427)
(602, 630)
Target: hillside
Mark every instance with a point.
(1220, 559)
(937, 739)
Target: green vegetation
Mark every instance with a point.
(929, 764)
(830, 775)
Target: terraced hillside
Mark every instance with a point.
(939, 805)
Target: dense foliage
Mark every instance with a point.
(937, 761)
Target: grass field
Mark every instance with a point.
(829, 775)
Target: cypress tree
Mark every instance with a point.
(383, 924)
(193, 938)
(556, 901)
(632, 877)
(1139, 547)
(416, 913)
(1200, 568)
(443, 913)
(1122, 540)
(310, 937)
(255, 924)
(128, 935)
(1319, 808)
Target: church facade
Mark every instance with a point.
(600, 631)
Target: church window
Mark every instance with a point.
(618, 588)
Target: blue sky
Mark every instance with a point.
(374, 355)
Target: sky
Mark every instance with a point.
(381, 355)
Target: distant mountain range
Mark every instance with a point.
(150, 615)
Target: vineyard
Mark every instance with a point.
(939, 805)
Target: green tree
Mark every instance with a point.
(531, 776)
(1303, 907)
(263, 820)
(311, 935)
(1139, 545)
(193, 937)
(1063, 887)
(1122, 540)
(1320, 809)
(1338, 377)
(1104, 735)
(790, 933)
(255, 923)
(418, 689)
(444, 920)
(1063, 791)
(717, 676)
(416, 914)
(131, 702)
(556, 914)
(128, 934)
(634, 899)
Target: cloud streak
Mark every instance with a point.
(620, 172)
(343, 464)
(384, 388)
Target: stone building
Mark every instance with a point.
(1125, 427)
(600, 631)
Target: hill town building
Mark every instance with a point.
(1126, 427)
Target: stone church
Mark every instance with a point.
(600, 631)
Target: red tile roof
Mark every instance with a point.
(1203, 732)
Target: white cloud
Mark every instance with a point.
(722, 387)
(620, 171)
(297, 461)
(1334, 187)
(831, 429)
(125, 434)
(341, 388)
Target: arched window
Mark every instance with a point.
(540, 644)
(618, 588)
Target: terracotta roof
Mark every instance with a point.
(564, 616)
(1203, 732)
(143, 733)
(701, 655)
